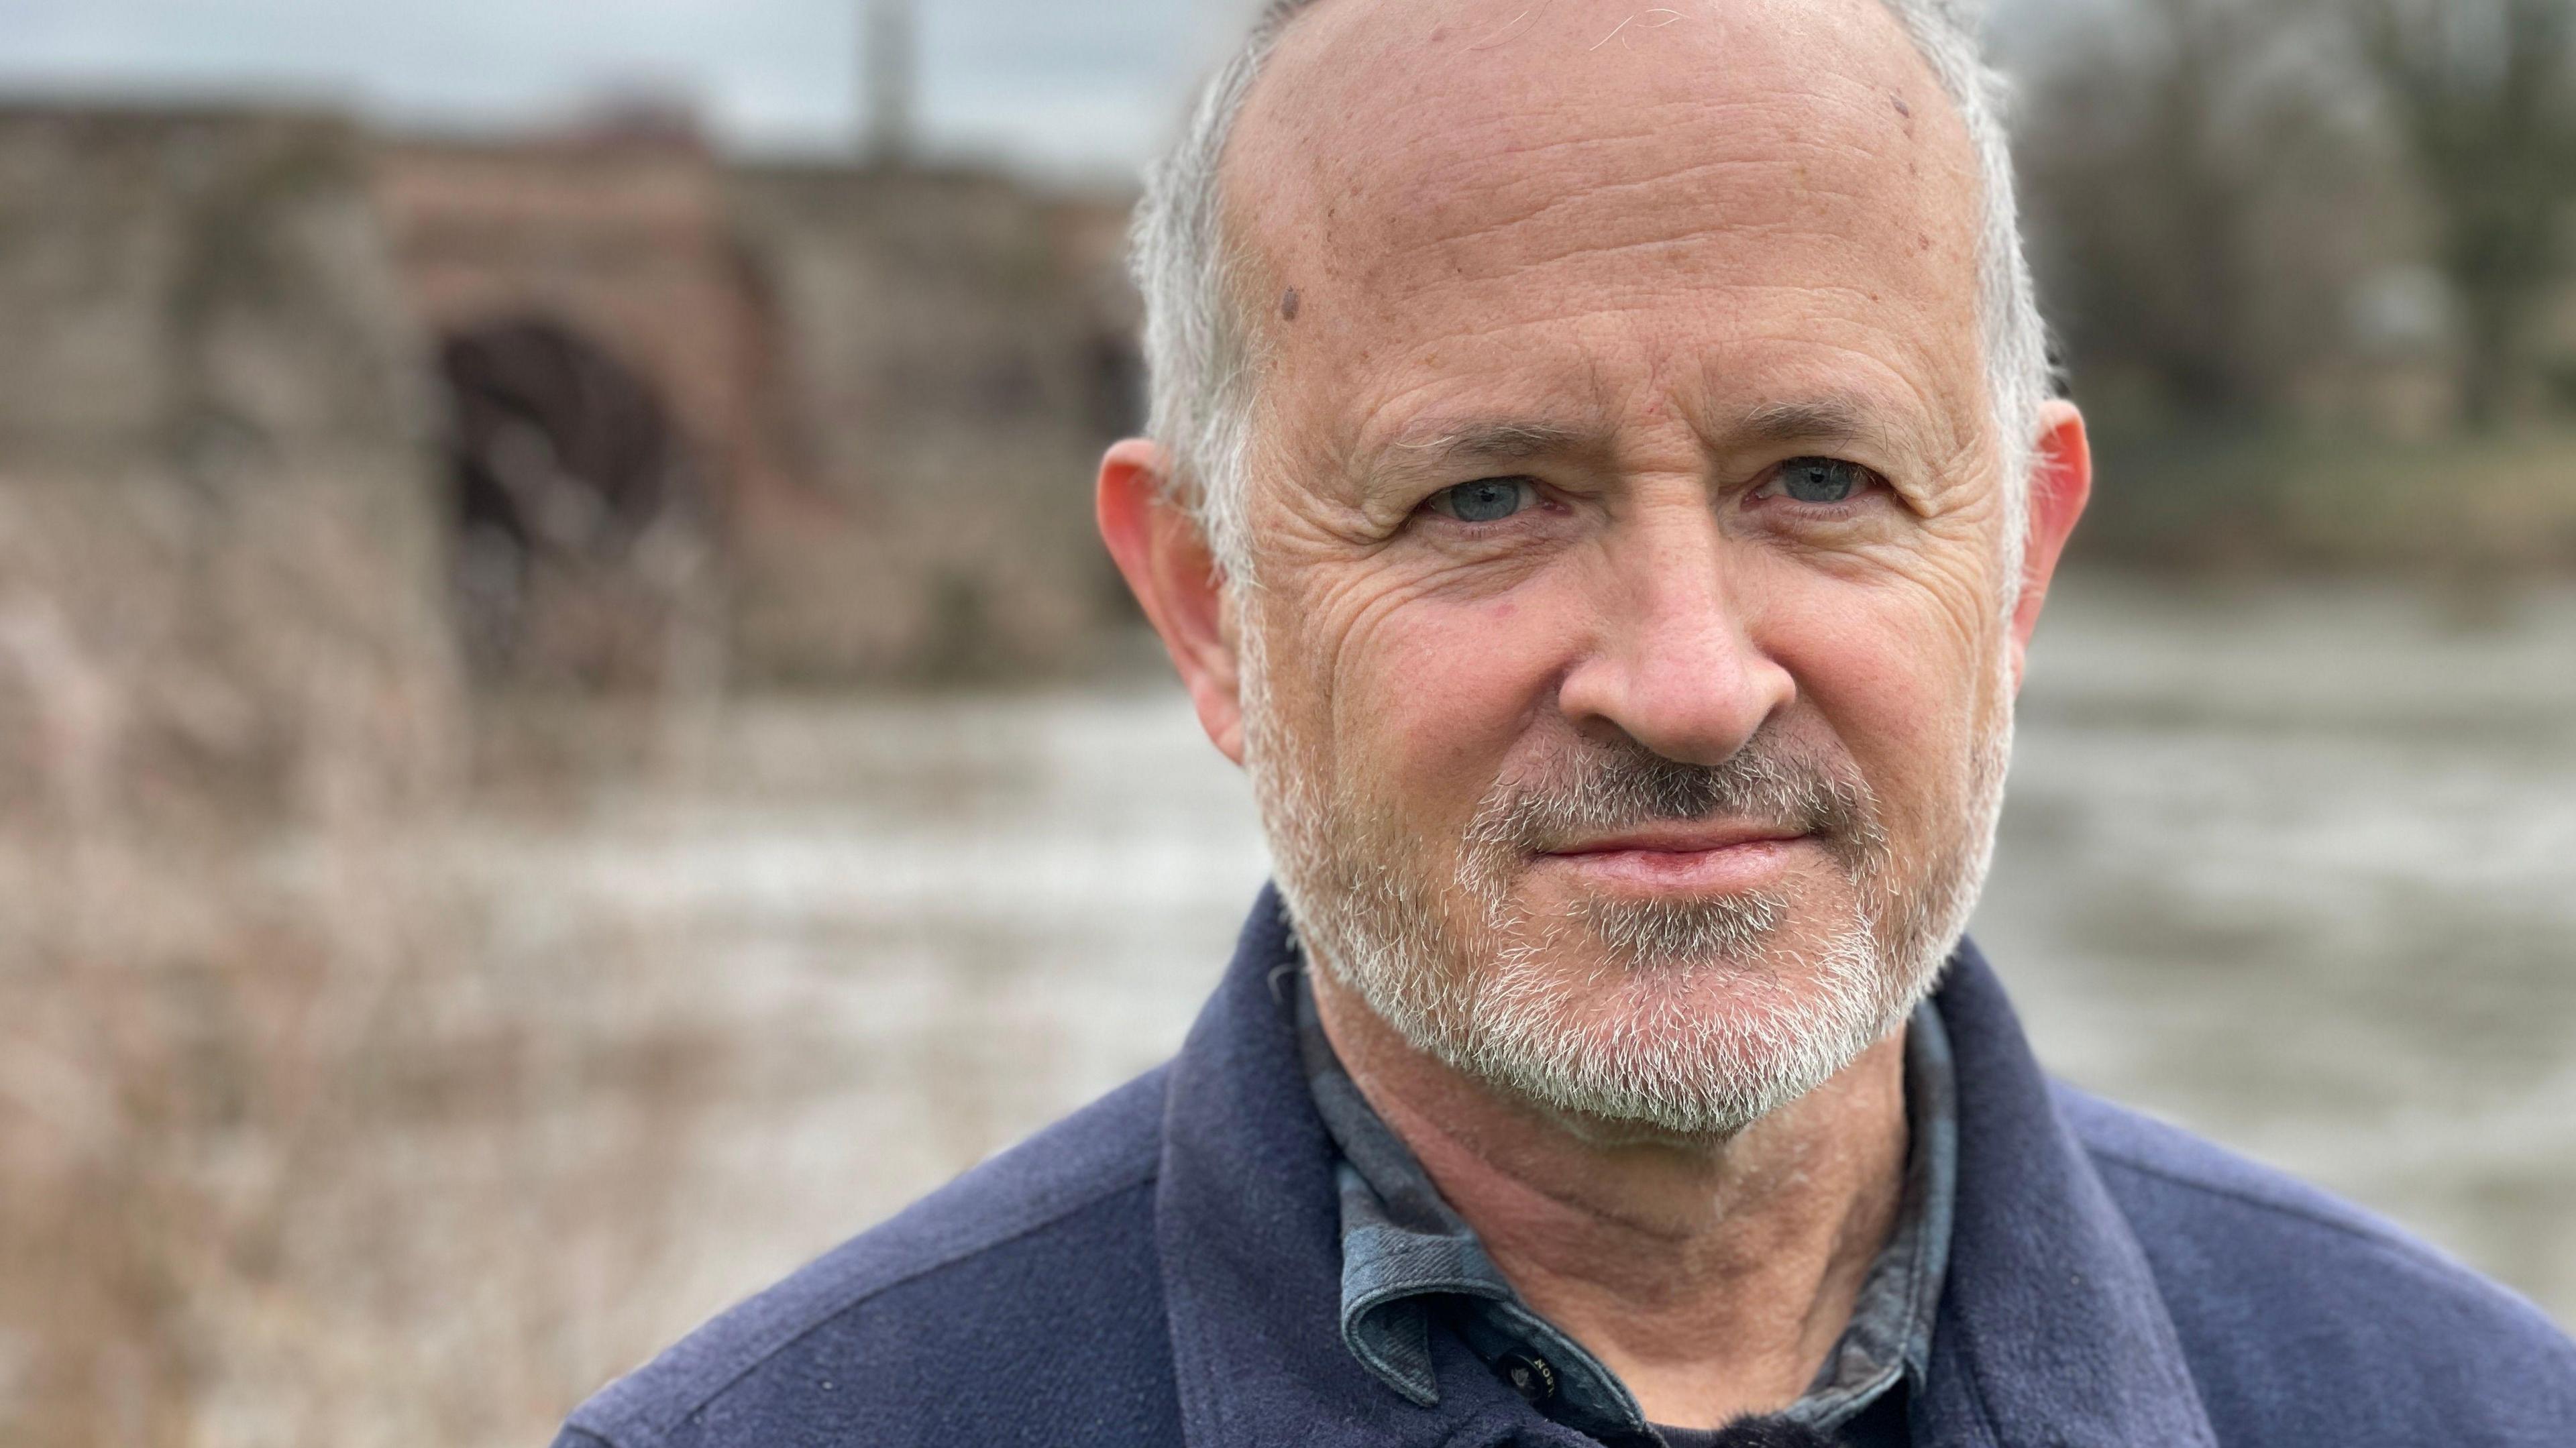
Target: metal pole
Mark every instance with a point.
(889, 72)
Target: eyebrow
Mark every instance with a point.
(1439, 444)
(1828, 420)
(1823, 419)
(1437, 449)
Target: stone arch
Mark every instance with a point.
(580, 514)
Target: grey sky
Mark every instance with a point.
(1085, 85)
(1088, 84)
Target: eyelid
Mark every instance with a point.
(1769, 485)
(1533, 493)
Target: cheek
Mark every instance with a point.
(1429, 696)
(1897, 673)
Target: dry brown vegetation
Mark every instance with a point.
(289, 1163)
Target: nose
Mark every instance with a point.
(1673, 664)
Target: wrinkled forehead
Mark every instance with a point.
(1405, 164)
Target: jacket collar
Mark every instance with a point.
(1248, 1227)
(2050, 1333)
(2052, 1330)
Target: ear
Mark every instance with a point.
(1168, 567)
(2060, 483)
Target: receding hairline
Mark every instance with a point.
(1254, 276)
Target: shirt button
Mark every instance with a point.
(1529, 1375)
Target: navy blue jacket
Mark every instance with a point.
(1162, 1268)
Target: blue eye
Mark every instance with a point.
(1822, 480)
(1486, 500)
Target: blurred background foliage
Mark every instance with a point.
(2309, 263)
(567, 741)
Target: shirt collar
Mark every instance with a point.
(1409, 1260)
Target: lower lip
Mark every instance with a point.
(1725, 870)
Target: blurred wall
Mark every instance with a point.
(954, 350)
(891, 381)
(219, 538)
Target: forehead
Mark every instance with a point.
(1537, 189)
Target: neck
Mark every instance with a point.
(1712, 1277)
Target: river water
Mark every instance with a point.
(2293, 867)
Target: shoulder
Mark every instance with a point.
(1030, 1280)
(2309, 1320)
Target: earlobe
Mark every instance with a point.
(1165, 560)
(2061, 482)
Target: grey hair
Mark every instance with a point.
(1200, 343)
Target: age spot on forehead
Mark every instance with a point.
(1288, 305)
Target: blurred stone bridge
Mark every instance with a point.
(306, 432)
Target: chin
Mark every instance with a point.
(1683, 1019)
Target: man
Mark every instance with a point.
(1604, 479)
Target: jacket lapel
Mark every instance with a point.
(2051, 1331)
(1250, 1236)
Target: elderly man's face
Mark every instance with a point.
(1626, 671)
